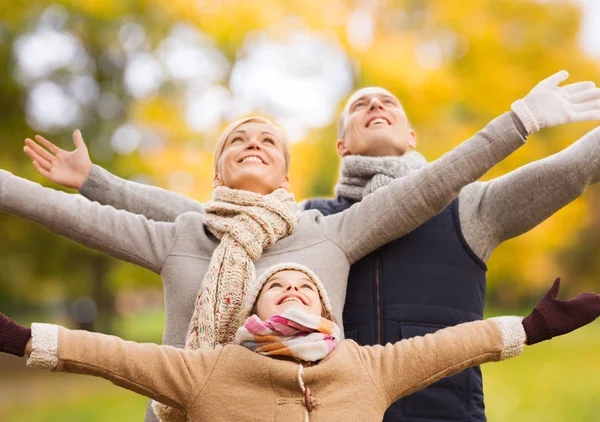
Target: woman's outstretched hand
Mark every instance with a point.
(67, 168)
(14, 338)
(552, 317)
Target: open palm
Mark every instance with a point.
(67, 168)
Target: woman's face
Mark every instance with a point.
(286, 290)
(253, 159)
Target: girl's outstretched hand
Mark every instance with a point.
(552, 317)
(67, 168)
(13, 337)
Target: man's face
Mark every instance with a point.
(375, 125)
(286, 290)
(253, 159)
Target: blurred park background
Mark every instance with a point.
(151, 83)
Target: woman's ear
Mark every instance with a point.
(217, 181)
(285, 184)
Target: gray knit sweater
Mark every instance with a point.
(490, 212)
(180, 251)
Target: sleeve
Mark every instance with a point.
(498, 210)
(126, 236)
(406, 203)
(154, 203)
(164, 373)
(407, 366)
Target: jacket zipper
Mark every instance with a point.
(378, 299)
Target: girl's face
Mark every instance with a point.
(285, 290)
(253, 159)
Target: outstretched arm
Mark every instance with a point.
(410, 365)
(406, 203)
(154, 203)
(169, 375)
(123, 235)
(498, 210)
(74, 169)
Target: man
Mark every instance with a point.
(433, 277)
(436, 276)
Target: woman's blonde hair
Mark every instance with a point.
(279, 132)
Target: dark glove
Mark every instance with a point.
(13, 337)
(552, 317)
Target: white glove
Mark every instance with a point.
(549, 105)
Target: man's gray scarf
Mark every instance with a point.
(361, 175)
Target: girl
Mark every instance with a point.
(288, 362)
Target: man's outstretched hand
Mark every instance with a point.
(552, 317)
(67, 168)
(548, 104)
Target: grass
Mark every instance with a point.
(553, 381)
(93, 402)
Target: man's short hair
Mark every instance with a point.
(355, 96)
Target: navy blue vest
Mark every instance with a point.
(424, 281)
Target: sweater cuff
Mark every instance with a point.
(95, 182)
(513, 335)
(525, 116)
(44, 346)
(519, 124)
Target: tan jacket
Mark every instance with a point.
(232, 383)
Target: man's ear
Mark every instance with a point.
(412, 141)
(285, 184)
(341, 147)
(217, 181)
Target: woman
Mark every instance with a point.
(287, 362)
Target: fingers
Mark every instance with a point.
(588, 297)
(554, 80)
(47, 144)
(578, 86)
(35, 157)
(41, 170)
(587, 106)
(583, 96)
(78, 140)
(38, 149)
(586, 114)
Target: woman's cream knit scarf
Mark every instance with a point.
(246, 223)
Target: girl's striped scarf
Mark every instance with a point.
(292, 333)
(246, 223)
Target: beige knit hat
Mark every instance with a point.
(256, 286)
